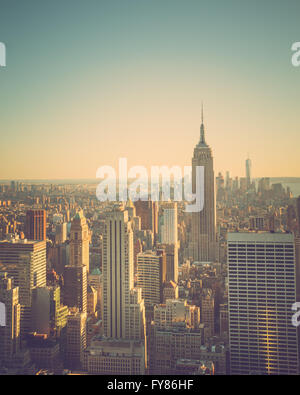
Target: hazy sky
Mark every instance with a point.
(89, 81)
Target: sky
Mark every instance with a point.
(89, 81)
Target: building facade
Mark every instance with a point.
(79, 241)
(262, 290)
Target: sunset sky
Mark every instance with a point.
(89, 81)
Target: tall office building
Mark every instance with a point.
(25, 262)
(10, 332)
(151, 274)
(137, 316)
(248, 172)
(60, 233)
(203, 237)
(75, 287)
(48, 314)
(297, 257)
(148, 212)
(208, 311)
(79, 241)
(298, 214)
(35, 226)
(95, 281)
(262, 289)
(118, 276)
(130, 207)
(171, 251)
(176, 334)
(168, 223)
(75, 339)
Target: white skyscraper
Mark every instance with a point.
(248, 172)
(168, 224)
(262, 290)
(151, 274)
(118, 284)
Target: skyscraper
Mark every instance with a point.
(79, 241)
(262, 290)
(75, 339)
(61, 233)
(118, 276)
(148, 212)
(171, 251)
(25, 262)
(35, 226)
(151, 274)
(10, 332)
(48, 314)
(75, 287)
(208, 311)
(203, 237)
(248, 172)
(298, 214)
(168, 223)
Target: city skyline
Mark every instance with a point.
(149, 190)
(126, 79)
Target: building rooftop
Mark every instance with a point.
(260, 237)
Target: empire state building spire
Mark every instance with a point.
(202, 141)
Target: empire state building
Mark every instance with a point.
(203, 238)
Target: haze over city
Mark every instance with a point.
(87, 83)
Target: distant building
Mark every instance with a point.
(187, 367)
(91, 299)
(151, 273)
(248, 172)
(208, 311)
(35, 224)
(168, 223)
(224, 319)
(44, 352)
(169, 344)
(257, 223)
(75, 287)
(174, 311)
(48, 314)
(114, 357)
(76, 339)
(171, 251)
(148, 212)
(79, 241)
(95, 281)
(60, 233)
(170, 291)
